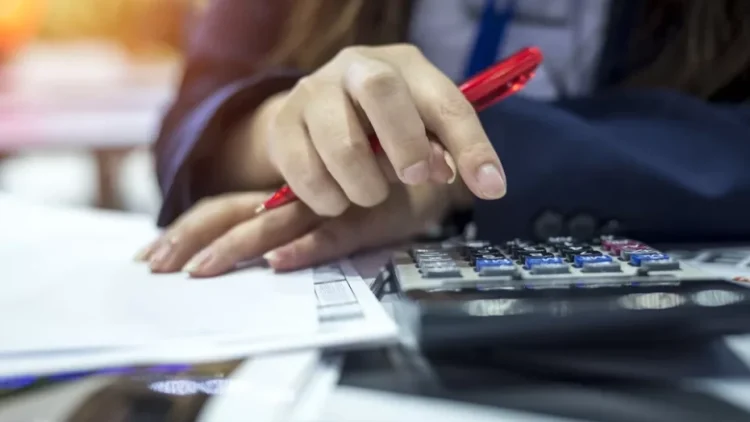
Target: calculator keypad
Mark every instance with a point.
(521, 259)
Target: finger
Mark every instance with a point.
(380, 90)
(333, 239)
(251, 239)
(356, 230)
(200, 226)
(295, 156)
(449, 115)
(387, 169)
(144, 255)
(443, 166)
(344, 148)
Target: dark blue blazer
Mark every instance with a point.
(657, 165)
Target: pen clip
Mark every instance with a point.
(503, 79)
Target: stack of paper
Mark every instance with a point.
(71, 297)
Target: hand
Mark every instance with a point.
(218, 233)
(316, 135)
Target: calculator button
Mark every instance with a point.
(601, 267)
(531, 262)
(497, 271)
(596, 264)
(661, 265)
(488, 267)
(607, 245)
(433, 260)
(575, 248)
(476, 244)
(580, 260)
(489, 256)
(559, 240)
(566, 245)
(535, 255)
(528, 250)
(421, 250)
(438, 272)
(654, 262)
(493, 262)
(616, 250)
(550, 269)
(627, 252)
(488, 250)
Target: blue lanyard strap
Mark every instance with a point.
(493, 26)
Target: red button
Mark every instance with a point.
(617, 245)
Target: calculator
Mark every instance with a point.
(564, 289)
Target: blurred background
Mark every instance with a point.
(83, 84)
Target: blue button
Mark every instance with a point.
(532, 262)
(492, 263)
(638, 259)
(579, 260)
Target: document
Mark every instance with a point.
(69, 283)
(72, 300)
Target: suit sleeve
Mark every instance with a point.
(666, 167)
(224, 80)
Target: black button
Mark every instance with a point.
(582, 226)
(548, 224)
(517, 252)
(522, 257)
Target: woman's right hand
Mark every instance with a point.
(317, 134)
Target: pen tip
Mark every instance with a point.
(261, 209)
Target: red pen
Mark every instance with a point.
(492, 85)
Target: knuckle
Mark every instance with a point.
(372, 197)
(454, 107)
(348, 53)
(330, 205)
(324, 120)
(312, 175)
(405, 50)
(304, 86)
(328, 236)
(337, 207)
(380, 83)
(347, 152)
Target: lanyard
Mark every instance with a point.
(493, 26)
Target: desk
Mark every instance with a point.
(344, 403)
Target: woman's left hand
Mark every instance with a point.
(218, 233)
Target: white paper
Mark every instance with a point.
(360, 324)
(69, 283)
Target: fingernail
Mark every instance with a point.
(161, 254)
(416, 173)
(452, 164)
(271, 256)
(144, 253)
(491, 181)
(199, 262)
